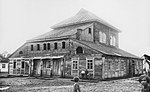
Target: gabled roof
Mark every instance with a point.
(82, 16)
(107, 50)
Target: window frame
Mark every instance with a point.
(72, 67)
(23, 64)
(63, 45)
(3, 66)
(14, 64)
(55, 46)
(89, 30)
(87, 59)
(32, 47)
(44, 46)
(38, 47)
(48, 46)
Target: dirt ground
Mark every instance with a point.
(26, 84)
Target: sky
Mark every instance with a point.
(21, 20)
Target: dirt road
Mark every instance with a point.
(26, 84)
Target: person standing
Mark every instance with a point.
(76, 87)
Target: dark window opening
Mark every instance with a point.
(55, 45)
(90, 30)
(89, 64)
(79, 50)
(44, 46)
(31, 47)
(22, 65)
(21, 52)
(48, 46)
(3, 65)
(14, 66)
(63, 45)
(38, 46)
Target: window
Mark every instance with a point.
(44, 46)
(75, 65)
(14, 65)
(112, 40)
(3, 66)
(102, 37)
(31, 47)
(79, 50)
(22, 64)
(55, 45)
(90, 30)
(63, 45)
(38, 46)
(89, 64)
(21, 52)
(48, 46)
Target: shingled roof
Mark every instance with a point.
(107, 50)
(83, 16)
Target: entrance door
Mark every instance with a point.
(56, 67)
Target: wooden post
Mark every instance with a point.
(103, 67)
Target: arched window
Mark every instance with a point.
(38, 46)
(79, 50)
(55, 45)
(104, 38)
(100, 36)
(63, 45)
(114, 41)
(21, 52)
(31, 47)
(111, 40)
(48, 46)
(44, 46)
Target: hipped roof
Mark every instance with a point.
(83, 16)
(62, 32)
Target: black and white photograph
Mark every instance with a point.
(74, 45)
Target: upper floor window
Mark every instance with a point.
(112, 40)
(79, 50)
(55, 45)
(90, 30)
(102, 37)
(31, 47)
(3, 66)
(38, 46)
(63, 45)
(44, 46)
(48, 46)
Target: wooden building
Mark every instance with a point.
(3, 65)
(81, 42)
